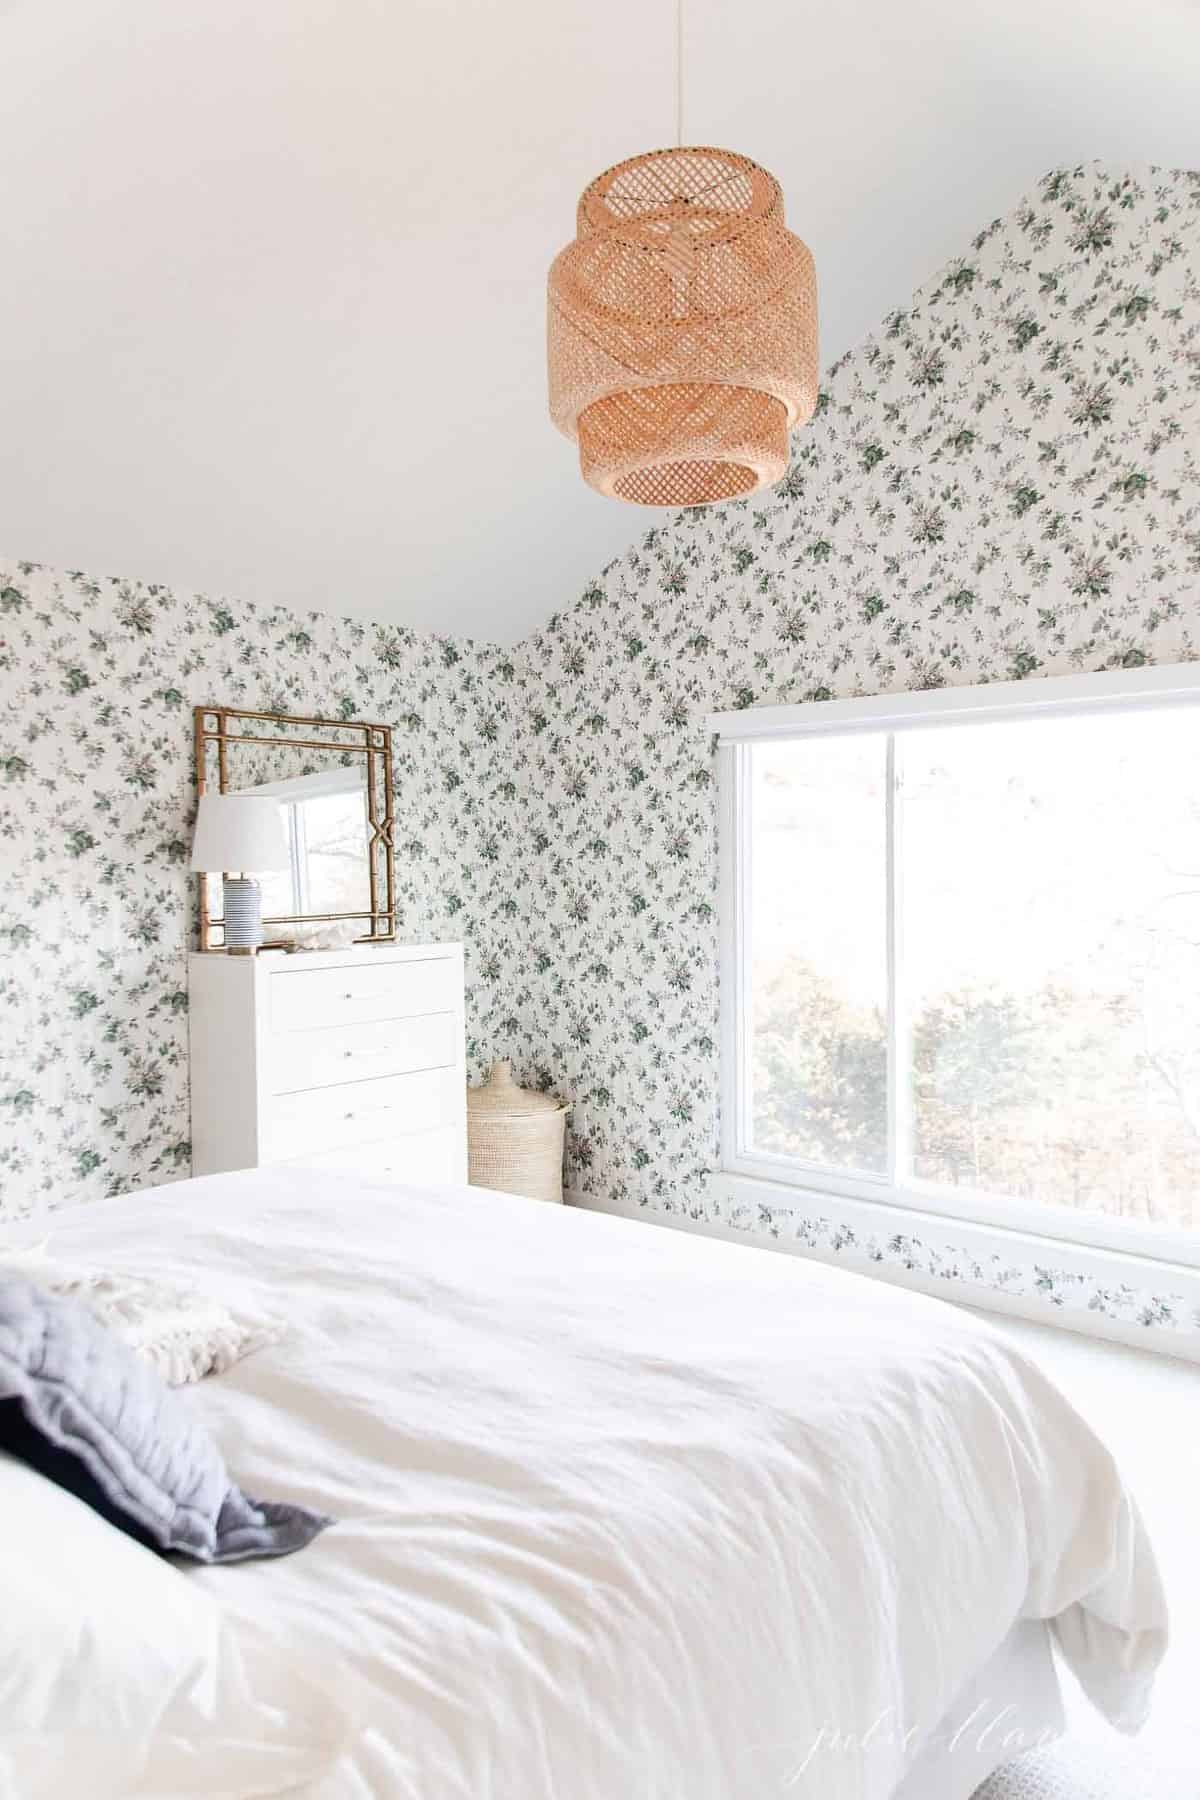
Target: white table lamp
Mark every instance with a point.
(243, 833)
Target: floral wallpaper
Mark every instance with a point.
(97, 682)
(939, 1257)
(1003, 482)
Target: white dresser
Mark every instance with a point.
(338, 1059)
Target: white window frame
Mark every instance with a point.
(895, 714)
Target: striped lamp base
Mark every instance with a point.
(243, 913)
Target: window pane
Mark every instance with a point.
(818, 941)
(328, 836)
(335, 836)
(1051, 956)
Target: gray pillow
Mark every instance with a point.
(87, 1411)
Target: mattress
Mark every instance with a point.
(626, 1514)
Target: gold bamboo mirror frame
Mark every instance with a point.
(333, 780)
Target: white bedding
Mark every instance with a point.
(627, 1514)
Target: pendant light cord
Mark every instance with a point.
(679, 73)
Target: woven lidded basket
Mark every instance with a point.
(515, 1137)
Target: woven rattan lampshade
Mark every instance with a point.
(682, 330)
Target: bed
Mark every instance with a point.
(630, 1514)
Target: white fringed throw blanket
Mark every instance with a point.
(184, 1333)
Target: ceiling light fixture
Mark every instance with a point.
(682, 326)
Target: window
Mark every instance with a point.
(325, 817)
(962, 952)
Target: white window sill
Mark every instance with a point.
(1127, 1298)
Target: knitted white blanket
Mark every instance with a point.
(184, 1333)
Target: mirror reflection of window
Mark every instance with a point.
(325, 817)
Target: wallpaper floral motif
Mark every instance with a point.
(940, 1257)
(97, 683)
(1003, 482)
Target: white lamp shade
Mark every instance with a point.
(239, 832)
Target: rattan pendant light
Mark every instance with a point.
(682, 329)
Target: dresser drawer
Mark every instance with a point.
(358, 1112)
(340, 1053)
(311, 999)
(427, 1157)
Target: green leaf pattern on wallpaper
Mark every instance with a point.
(1002, 483)
(97, 682)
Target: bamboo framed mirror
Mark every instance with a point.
(333, 781)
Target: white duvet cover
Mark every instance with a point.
(627, 1514)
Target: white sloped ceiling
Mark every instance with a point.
(271, 277)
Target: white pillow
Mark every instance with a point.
(118, 1663)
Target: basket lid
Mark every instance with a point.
(499, 1097)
